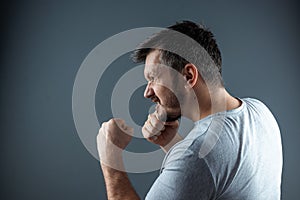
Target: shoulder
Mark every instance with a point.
(255, 104)
(188, 175)
(185, 154)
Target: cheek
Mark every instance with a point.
(159, 92)
(166, 96)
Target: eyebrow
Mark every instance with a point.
(149, 75)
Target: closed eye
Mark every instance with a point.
(151, 78)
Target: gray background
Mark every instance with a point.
(43, 44)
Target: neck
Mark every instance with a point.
(211, 102)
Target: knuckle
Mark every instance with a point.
(154, 130)
(118, 120)
(145, 133)
(120, 123)
(102, 125)
(110, 122)
(151, 129)
(157, 125)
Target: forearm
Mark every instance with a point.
(112, 139)
(118, 185)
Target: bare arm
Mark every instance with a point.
(118, 185)
(112, 139)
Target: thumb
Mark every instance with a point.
(129, 130)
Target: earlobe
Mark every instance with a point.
(191, 75)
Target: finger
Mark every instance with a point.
(102, 129)
(153, 138)
(120, 123)
(129, 130)
(155, 122)
(102, 134)
(161, 116)
(147, 134)
(123, 126)
(151, 128)
(119, 120)
(158, 134)
(103, 124)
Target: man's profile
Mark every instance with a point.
(234, 150)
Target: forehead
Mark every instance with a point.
(152, 62)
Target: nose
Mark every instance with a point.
(149, 92)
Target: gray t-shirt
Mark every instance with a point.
(234, 155)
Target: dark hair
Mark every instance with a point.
(207, 58)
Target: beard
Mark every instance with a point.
(165, 115)
(168, 106)
(170, 111)
(172, 118)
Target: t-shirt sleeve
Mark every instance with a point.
(183, 177)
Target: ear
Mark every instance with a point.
(191, 75)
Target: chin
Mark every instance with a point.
(167, 114)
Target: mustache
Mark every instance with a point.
(155, 99)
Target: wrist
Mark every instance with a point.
(112, 161)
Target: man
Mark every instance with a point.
(234, 150)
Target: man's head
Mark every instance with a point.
(185, 47)
(162, 87)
